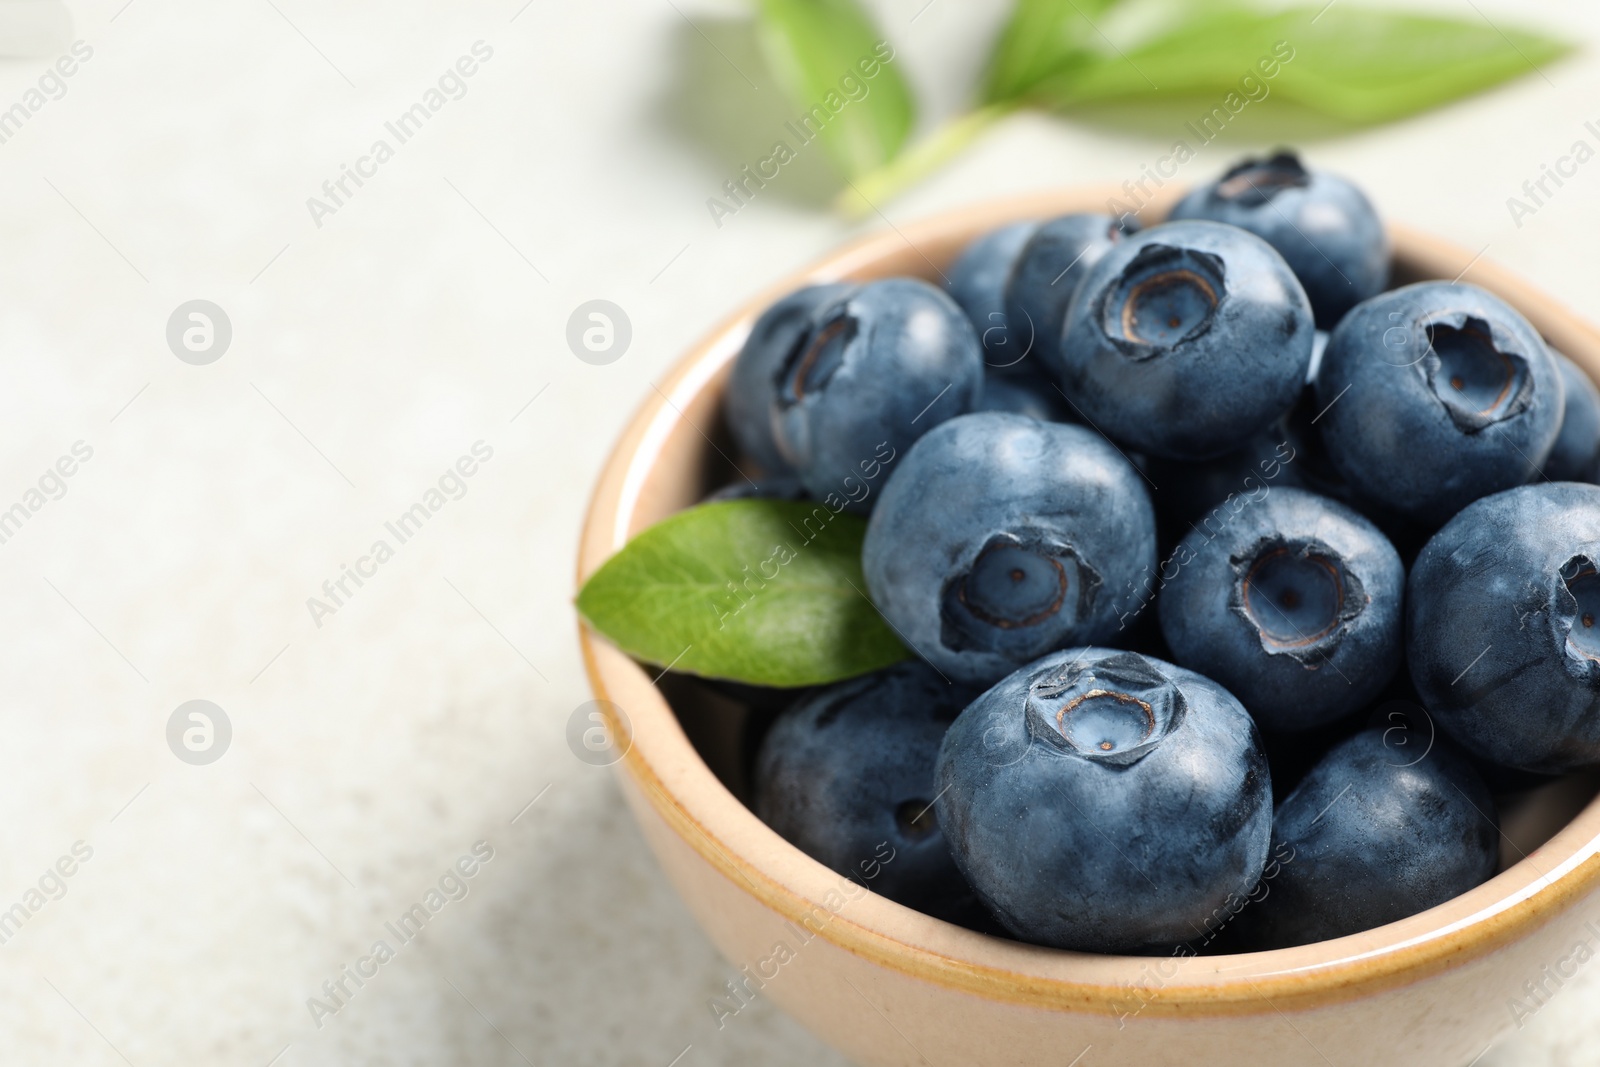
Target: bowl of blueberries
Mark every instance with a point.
(1242, 564)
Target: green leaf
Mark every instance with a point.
(1041, 39)
(760, 591)
(1357, 64)
(820, 51)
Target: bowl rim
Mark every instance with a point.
(676, 782)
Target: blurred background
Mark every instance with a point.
(240, 342)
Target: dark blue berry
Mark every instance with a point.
(1000, 538)
(1503, 627)
(1295, 606)
(1105, 801)
(753, 387)
(1375, 833)
(1186, 340)
(846, 775)
(876, 368)
(1435, 395)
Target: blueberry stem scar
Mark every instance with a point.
(1153, 286)
(813, 351)
(1289, 599)
(1096, 694)
(1017, 575)
(1582, 582)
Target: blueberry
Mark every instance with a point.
(1503, 627)
(1025, 393)
(1048, 272)
(1187, 339)
(752, 385)
(1575, 457)
(1000, 538)
(1105, 801)
(1294, 606)
(876, 368)
(1321, 224)
(977, 281)
(1375, 833)
(846, 775)
(1434, 395)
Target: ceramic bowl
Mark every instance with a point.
(889, 986)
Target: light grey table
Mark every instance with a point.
(375, 340)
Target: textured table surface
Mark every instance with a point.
(421, 714)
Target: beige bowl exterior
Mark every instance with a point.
(890, 986)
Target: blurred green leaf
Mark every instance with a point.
(759, 591)
(1042, 38)
(821, 50)
(1357, 64)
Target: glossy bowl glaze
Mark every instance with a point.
(890, 986)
